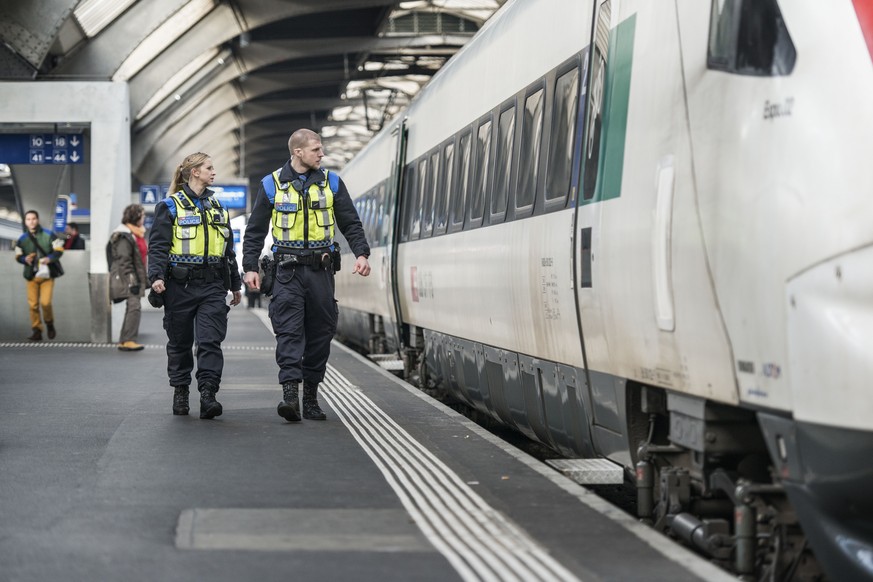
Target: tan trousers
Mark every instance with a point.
(39, 294)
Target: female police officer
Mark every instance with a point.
(193, 265)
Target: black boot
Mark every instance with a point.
(180, 400)
(209, 406)
(36, 336)
(51, 329)
(289, 408)
(311, 410)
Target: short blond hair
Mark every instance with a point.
(300, 138)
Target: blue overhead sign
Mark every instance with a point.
(41, 148)
(231, 196)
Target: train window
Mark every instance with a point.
(529, 154)
(479, 188)
(561, 141)
(749, 37)
(430, 191)
(384, 226)
(441, 206)
(364, 215)
(371, 218)
(462, 180)
(503, 162)
(418, 197)
(409, 203)
(360, 207)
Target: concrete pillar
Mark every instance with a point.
(106, 107)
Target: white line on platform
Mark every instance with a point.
(480, 542)
(89, 345)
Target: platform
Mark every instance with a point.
(99, 481)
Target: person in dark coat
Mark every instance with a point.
(127, 273)
(74, 241)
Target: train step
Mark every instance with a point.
(389, 362)
(589, 471)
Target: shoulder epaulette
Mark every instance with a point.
(183, 199)
(269, 185)
(333, 180)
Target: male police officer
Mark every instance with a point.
(300, 204)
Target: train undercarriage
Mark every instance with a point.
(701, 471)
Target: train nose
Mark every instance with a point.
(830, 339)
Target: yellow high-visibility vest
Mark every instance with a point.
(298, 219)
(192, 239)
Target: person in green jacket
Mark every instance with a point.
(36, 249)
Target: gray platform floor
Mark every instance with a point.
(99, 481)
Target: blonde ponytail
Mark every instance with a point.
(183, 171)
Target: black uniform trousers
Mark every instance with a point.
(195, 312)
(304, 315)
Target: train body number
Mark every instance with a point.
(776, 110)
(421, 284)
(550, 296)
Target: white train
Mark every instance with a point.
(642, 231)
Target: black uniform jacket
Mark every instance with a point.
(161, 241)
(262, 211)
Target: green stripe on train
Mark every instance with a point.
(616, 97)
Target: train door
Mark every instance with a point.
(388, 268)
(597, 172)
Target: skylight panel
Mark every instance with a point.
(162, 37)
(95, 15)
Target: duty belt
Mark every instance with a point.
(210, 273)
(317, 260)
(295, 259)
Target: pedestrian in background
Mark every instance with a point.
(74, 241)
(191, 262)
(127, 273)
(253, 296)
(40, 252)
(300, 204)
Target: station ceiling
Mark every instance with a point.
(234, 78)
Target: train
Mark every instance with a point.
(643, 232)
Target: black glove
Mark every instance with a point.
(134, 289)
(156, 299)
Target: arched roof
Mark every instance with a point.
(236, 77)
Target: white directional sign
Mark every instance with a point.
(149, 194)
